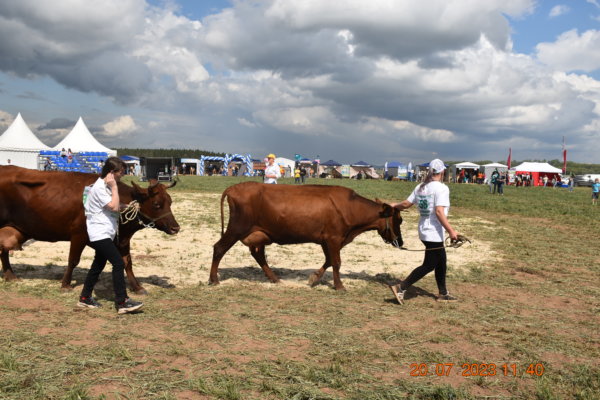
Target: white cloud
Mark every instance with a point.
(558, 10)
(572, 52)
(348, 80)
(121, 126)
(6, 119)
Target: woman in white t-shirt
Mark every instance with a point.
(272, 171)
(432, 197)
(102, 204)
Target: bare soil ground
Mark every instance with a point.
(184, 260)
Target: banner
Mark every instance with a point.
(298, 157)
(509, 157)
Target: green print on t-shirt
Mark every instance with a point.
(424, 205)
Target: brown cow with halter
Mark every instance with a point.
(332, 216)
(47, 206)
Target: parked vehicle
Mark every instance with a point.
(586, 179)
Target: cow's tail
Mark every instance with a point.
(222, 215)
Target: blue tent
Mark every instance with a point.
(129, 158)
(395, 164)
(331, 163)
(361, 164)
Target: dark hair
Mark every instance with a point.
(112, 164)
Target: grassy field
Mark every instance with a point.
(527, 325)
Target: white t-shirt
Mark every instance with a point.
(272, 170)
(101, 222)
(434, 194)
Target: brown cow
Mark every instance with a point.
(331, 216)
(47, 206)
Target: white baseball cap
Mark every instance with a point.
(437, 165)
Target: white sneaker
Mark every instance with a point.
(398, 293)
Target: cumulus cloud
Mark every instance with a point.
(5, 120)
(350, 79)
(120, 126)
(572, 51)
(58, 123)
(559, 10)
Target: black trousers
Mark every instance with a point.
(435, 260)
(106, 250)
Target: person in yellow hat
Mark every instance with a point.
(272, 172)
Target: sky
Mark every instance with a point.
(378, 80)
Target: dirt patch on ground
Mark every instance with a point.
(183, 260)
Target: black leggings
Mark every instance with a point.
(106, 251)
(434, 260)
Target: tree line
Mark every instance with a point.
(175, 153)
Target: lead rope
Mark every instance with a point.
(131, 212)
(455, 244)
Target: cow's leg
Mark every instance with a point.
(219, 250)
(258, 252)
(10, 239)
(336, 262)
(316, 276)
(77, 245)
(133, 282)
(124, 247)
(9, 274)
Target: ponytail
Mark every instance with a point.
(428, 179)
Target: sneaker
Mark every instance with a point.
(128, 306)
(446, 298)
(398, 293)
(88, 302)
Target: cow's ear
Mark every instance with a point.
(139, 193)
(378, 201)
(386, 210)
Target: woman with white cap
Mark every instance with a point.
(272, 171)
(432, 197)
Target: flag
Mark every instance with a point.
(509, 157)
(564, 168)
(298, 157)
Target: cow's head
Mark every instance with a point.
(155, 206)
(389, 223)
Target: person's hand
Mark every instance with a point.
(453, 234)
(110, 180)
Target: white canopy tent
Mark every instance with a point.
(287, 164)
(537, 167)
(466, 165)
(489, 168)
(19, 145)
(81, 140)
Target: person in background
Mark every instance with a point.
(102, 204)
(297, 175)
(500, 181)
(595, 191)
(545, 180)
(302, 174)
(432, 197)
(272, 171)
(493, 179)
(571, 183)
(63, 153)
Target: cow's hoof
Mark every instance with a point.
(66, 289)
(141, 291)
(13, 279)
(275, 280)
(313, 279)
(340, 289)
(213, 283)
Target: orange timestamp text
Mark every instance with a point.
(475, 369)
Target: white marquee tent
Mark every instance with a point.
(489, 168)
(537, 167)
(80, 139)
(287, 164)
(19, 145)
